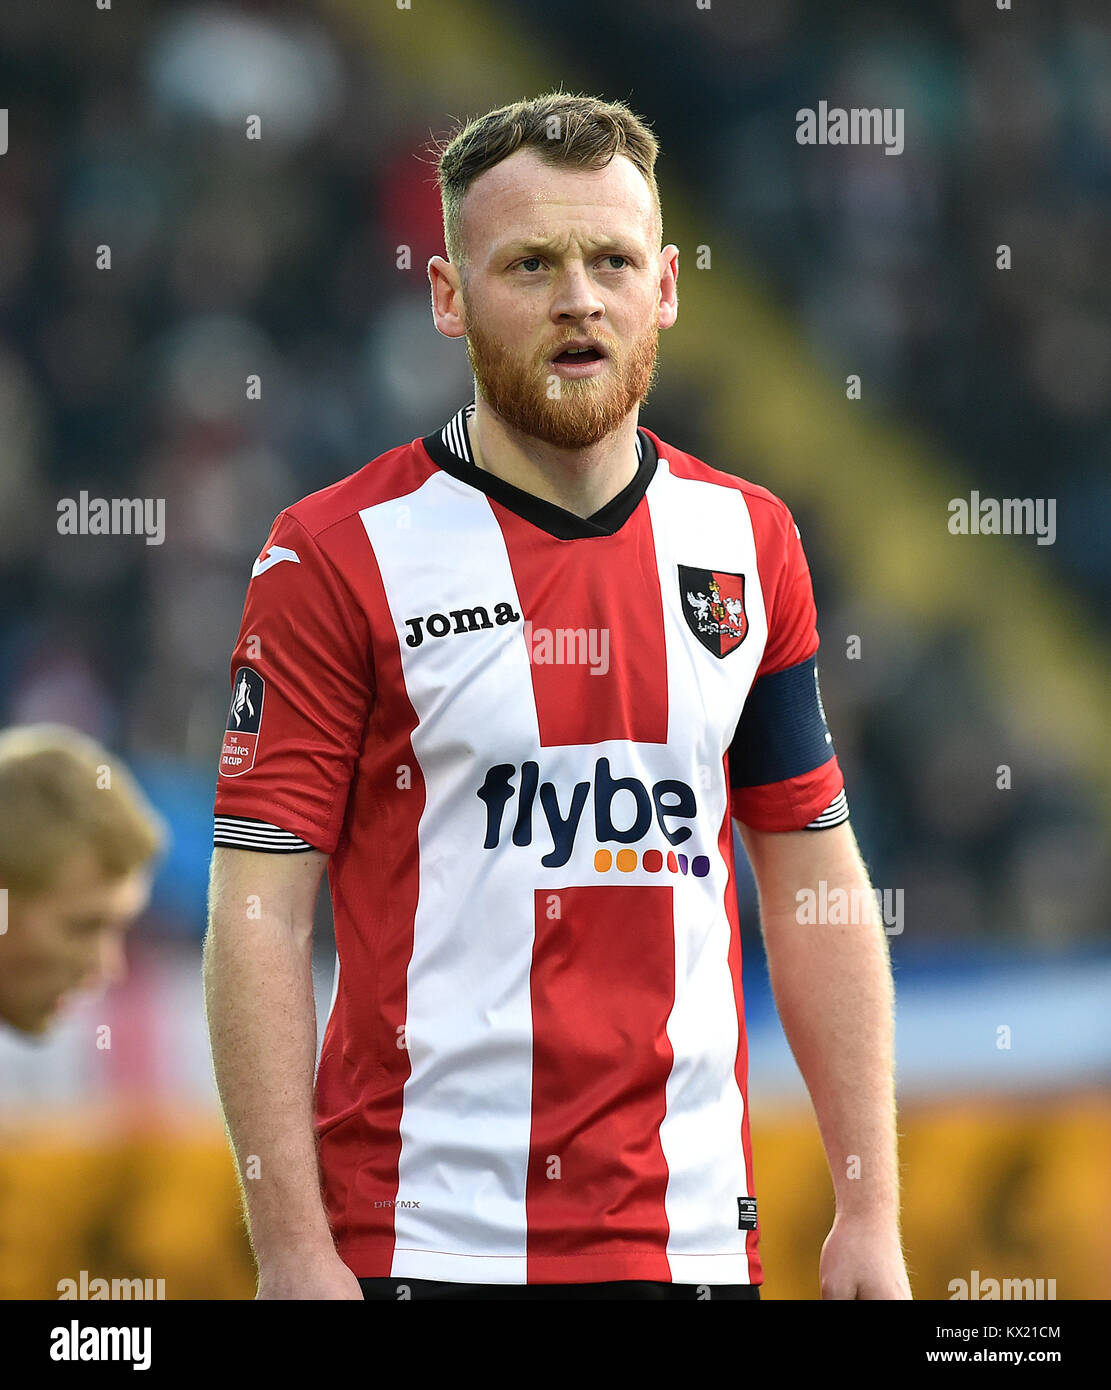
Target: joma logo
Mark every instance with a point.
(465, 620)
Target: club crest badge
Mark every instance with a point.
(714, 607)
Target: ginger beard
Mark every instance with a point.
(587, 409)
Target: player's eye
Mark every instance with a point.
(536, 260)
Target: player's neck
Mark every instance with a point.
(580, 481)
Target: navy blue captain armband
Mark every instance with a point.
(783, 770)
(782, 732)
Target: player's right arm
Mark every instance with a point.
(262, 1026)
(302, 682)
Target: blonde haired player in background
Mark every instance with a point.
(77, 837)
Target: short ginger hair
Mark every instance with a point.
(564, 129)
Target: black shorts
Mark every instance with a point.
(397, 1290)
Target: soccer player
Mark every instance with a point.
(77, 841)
(512, 682)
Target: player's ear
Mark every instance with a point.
(447, 300)
(668, 303)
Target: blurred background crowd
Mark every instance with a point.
(279, 257)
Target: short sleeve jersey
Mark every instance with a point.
(522, 737)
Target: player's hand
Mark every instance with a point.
(325, 1276)
(863, 1258)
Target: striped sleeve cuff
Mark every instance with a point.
(835, 813)
(240, 832)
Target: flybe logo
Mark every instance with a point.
(518, 802)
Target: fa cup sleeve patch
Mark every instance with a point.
(244, 717)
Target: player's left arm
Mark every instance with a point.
(833, 989)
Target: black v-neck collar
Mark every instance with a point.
(450, 448)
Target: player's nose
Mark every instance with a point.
(575, 296)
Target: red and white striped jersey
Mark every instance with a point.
(520, 736)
